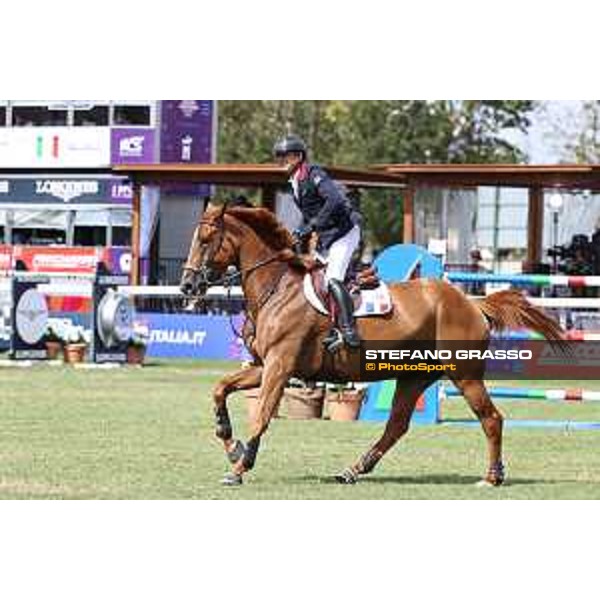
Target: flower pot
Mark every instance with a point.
(345, 404)
(53, 350)
(74, 353)
(252, 403)
(136, 355)
(304, 403)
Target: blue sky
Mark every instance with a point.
(548, 131)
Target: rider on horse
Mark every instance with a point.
(326, 211)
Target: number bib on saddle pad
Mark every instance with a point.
(370, 303)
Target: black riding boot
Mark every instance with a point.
(345, 306)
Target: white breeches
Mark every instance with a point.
(339, 255)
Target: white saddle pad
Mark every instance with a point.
(372, 302)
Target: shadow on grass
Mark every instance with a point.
(428, 479)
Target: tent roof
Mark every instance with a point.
(568, 176)
(247, 174)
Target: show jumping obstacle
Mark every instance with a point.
(555, 395)
(549, 395)
(571, 281)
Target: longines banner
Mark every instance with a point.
(50, 190)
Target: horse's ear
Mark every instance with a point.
(223, 209)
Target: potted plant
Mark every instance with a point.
(304, 402)
(76, 341)
(136, 347)
(344, 402)
(54, 338)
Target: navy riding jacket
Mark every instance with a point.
(324, 205)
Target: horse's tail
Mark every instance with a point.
(509, 309)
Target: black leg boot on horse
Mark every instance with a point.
(343, 306)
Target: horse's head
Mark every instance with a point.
(211, 252)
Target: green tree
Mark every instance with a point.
(366, 132)
(585, 146)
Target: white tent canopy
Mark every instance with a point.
(42, 216)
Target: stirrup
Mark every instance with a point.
(334, 340)
(351, 338)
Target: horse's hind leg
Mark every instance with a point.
(476, 395)
(405, 398)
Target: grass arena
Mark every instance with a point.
(123, 433)
(152, 437)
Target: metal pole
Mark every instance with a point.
(70, 241)
(8, 227)
(555, 241)
(135, 232)
(444, 216)
(496, 229)
(109, 229)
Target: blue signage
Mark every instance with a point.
(193, 336)
(403, 262)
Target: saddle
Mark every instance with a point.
(369, 294)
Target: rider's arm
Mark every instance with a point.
(330, 192)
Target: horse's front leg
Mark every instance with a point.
(244, 379)
(274, 378)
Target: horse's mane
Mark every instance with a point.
(266, 226)
(264, 223)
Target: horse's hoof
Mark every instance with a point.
(237, 452)
(232, 480)
(486, 483)
(347, 477)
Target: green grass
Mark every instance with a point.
(148, 433)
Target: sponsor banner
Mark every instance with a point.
(68, 190)
(49, 259)
(69, 304)
(502, 359)
(121, 191)
(42, 147)
(132, 145)
(76, 260)
(118, 260)
(193, 336)
(186, 136)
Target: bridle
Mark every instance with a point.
(227, 279)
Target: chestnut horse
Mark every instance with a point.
(285, 333)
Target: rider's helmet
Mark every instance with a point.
(289, 143)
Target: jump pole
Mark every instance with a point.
(571, 281)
